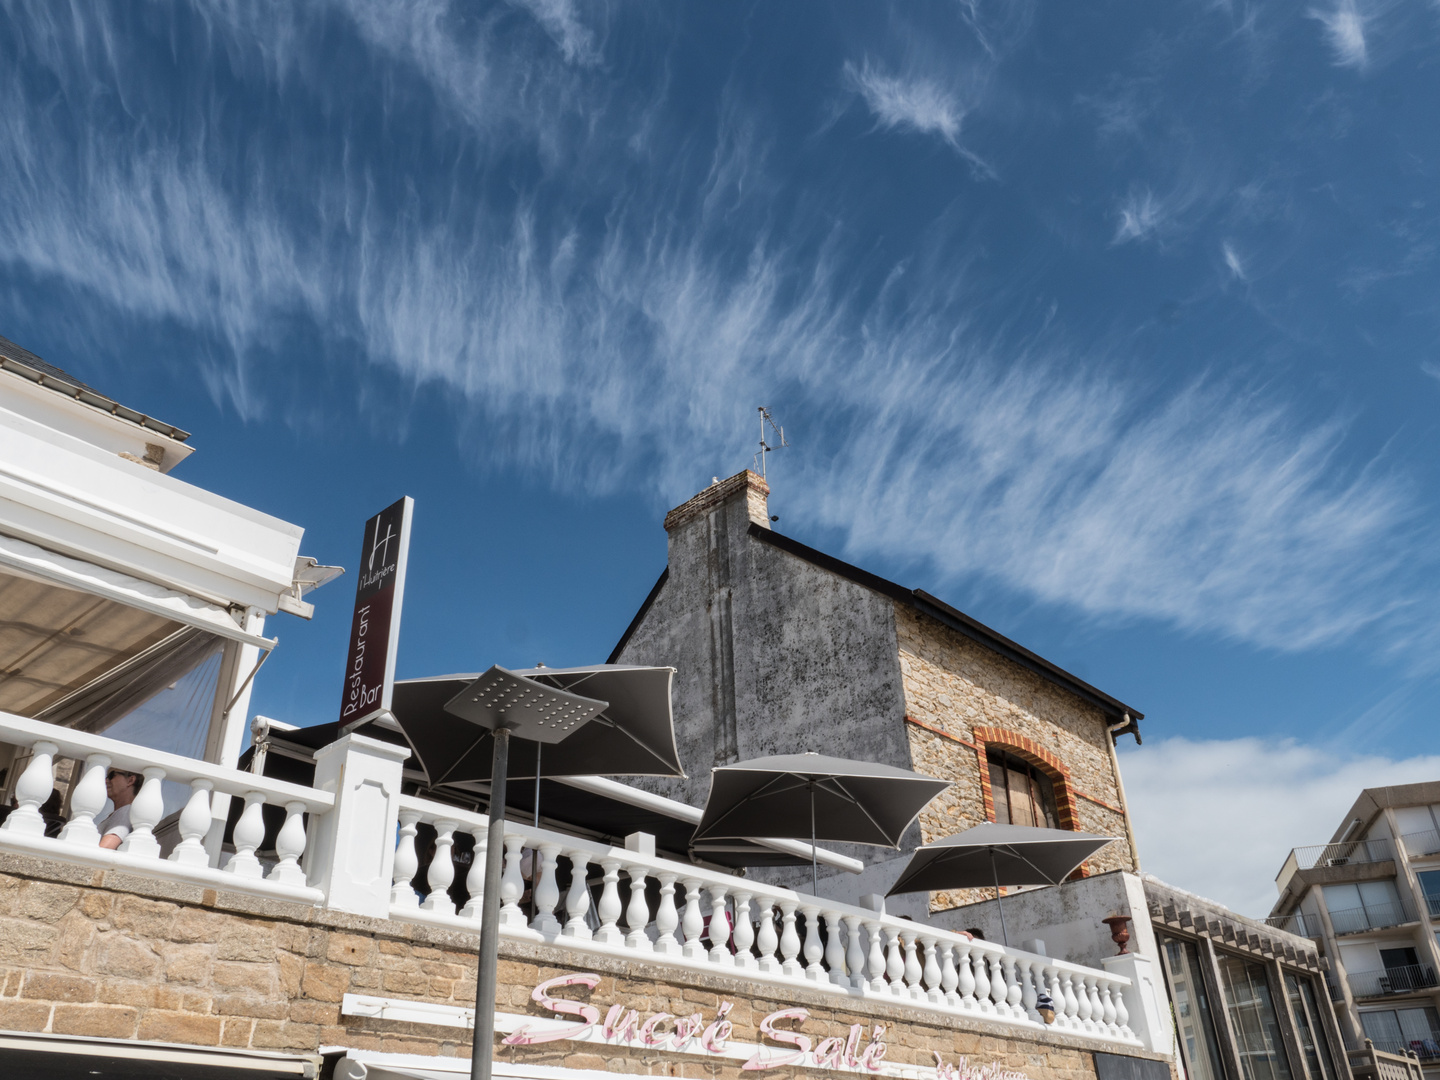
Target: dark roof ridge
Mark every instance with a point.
(954, 618)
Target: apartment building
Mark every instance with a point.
(1371, 899)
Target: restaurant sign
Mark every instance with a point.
(861, 1049)
(375, 626)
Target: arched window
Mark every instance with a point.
(1021, 793)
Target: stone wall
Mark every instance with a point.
(104, 953)
(959, 696)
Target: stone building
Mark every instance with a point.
(780, 648)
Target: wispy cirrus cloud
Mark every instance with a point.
(1233, 262)
(1344, 32)
(911, 104)
(981, 451)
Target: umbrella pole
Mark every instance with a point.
(538, 748)
(814, 873)
(482, 1047)
(999, 906)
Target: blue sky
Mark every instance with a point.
(1114, 324)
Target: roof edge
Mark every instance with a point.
(957, 620)
(78, 391)
(614, 656)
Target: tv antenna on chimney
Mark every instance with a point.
(765, 448)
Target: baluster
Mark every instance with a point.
(1014, 993)
(998, 989)
(949, 977)
(577, 900)
(441, 873)
(965, 976)
(767, 941)
(1072, 1004)
(913, 970)
(1028, 996)
(1097, 1009)
(512, 883)
(744, 935)
(1057, 994)
(475, 879)
(406, 862)
(609, 907)
(1107, 1009)
(693, 922)
(546, 891)
(194, 824)
(875, 963)
(855, 952)
(789, 941)
(835, 949)
(249, 832)
(932, 970)
(814, 950)
(1122, 1014)
(289, 843)
(982, 981)
(88, 799)
(719, 927)
(637, 912)
(667, 918)
(1086, 1007)
(894, 962)
(32, 790)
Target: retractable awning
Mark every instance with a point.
(60, 1057)
(374, 1065)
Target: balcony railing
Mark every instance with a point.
(190, 859)
(771, 934)
(1421, 843)
(1337, 993)
(1426, 1048)
(1343, 854)
(1432, 903)
(617, 901)
(1297, 923)
(1404, 979)
(1372, 917)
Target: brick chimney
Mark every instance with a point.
(745, 484)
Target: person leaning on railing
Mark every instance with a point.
(121, 786)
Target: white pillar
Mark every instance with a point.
(1145, 1001)
(351, 853)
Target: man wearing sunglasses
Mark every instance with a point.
(121, 786)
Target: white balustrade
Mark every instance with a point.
(140, 851)
(441, 874)
(843, 950)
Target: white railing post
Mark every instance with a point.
(290, 845)
(637, 911)
(194, 824)
(965, 977)
(767, 941)
(1014, 993)
(835, 949)
(744, 934)
(894, 962)
(546, 891)
(31, 791)
(350, 856)
(719, 927)
(667, 918)
(88, 799)
(577, 900)
(512, 882)
(789, 941)
(932, 970)
(248, 835)
(814, 950)
(875, 963)
(406, 863)
(146, 812)
(475, 878)
(980, 965)
(609, 909)
(949, 976)
(693, 922)
(1141, 1009)
(1028, 996)
(441, 874)
(854, 951)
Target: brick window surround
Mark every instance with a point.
(1028, 750)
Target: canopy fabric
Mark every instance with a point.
(991, 854)
(798, 796)
(634, 736)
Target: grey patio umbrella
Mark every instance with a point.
(634, 735)
(809, 795)
(992, 855)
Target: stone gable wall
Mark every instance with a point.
(103, 953)
(959, 697)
